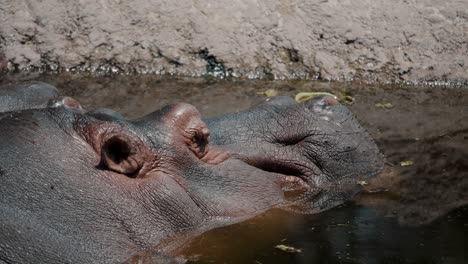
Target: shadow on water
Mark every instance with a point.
(403, 215)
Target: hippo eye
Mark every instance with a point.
(119, 155)
(200, 140)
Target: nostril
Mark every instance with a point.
(330, 101)
(326, 100)
(323, 100)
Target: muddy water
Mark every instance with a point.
(347, 234)
(410, 214)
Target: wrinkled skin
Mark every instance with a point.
(96, 188)
(318, 141)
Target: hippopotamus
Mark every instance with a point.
(94, 187)
(32, 95)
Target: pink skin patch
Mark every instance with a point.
(331, 101)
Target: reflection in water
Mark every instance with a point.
(348, 234)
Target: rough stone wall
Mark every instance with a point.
(381, 40)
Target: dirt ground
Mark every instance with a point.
(377, 40)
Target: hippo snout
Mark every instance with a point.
(317, 143)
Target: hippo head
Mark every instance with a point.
(317, 149)
(97, 188)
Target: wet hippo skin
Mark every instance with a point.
(94, 187)
(32, 95)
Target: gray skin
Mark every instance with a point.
(95, 188)
(319, 141)
(33, 95)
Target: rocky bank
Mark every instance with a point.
(370, 40)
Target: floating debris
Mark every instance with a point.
(346, 99)
(385, 105)
(304, 96)
(288, 249)
(362, 183)
(406, 163)
(339, 225)
(269, 93)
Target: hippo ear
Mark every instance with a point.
(121, 154)
(67, 102)
(118, 149)
(186, 121)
